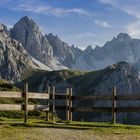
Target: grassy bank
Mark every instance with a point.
(14, 129)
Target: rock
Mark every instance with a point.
(28, 33)
(13, 57)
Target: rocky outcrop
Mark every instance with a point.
(28, 33)
(13, 57)
(123, 76)
(61, 50)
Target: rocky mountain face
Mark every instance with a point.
(120, 48)
(61, 50)
(122, 75)
(125, 78)
(14, 59)
(28, 33)
(56, 54)
(49, 49)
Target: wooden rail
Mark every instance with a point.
(31, 95)
(18, 107)
(99, 97)
(99, 109)
(106, 97)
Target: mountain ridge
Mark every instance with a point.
(57, 54)
(51, 53)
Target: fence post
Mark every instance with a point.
(114, 105)
(67, 104)
(50, 101)
(25, 102)
(53, 104)
(47, 112)
(70, 104)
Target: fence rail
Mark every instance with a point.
(52, 96)
(31, 95)
(18, 107)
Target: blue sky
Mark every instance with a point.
(78, 22)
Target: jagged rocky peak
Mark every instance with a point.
(55, 41)
(27, 20)
(119, 65)
(13, 57)
(96, 47)
(124, 66)
(123, 36)
(61, 49)
(123, 76)
(28, 33)
(24, 29)
(3, 29)
(52, 36)
(89, 48)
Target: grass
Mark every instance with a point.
(15, 129)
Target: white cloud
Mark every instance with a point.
(48, 10)
(134, 29)
(103, 24)
(132, 10)
(129, 7)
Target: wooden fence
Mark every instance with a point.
(52, 96)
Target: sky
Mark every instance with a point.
(78, 22)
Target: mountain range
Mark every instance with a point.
(26, 42)
(56, 54)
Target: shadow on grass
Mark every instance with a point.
(48, 126)
(82, 125)
(68, 126)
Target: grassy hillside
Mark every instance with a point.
(40, 77)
